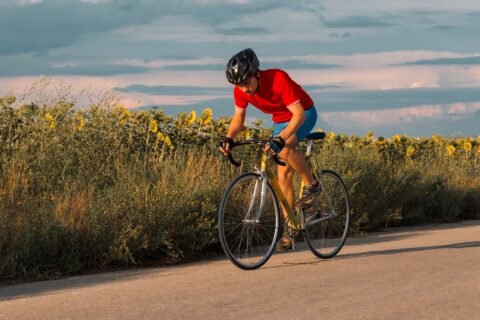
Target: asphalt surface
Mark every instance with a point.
(430, 272)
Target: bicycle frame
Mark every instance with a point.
(296, 220)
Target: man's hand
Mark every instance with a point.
(225, 146)
(275, 146)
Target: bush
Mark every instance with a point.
(90, 189)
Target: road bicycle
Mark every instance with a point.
(249, 214)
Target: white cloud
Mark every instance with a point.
(401, 116)
(350, 7)
(27, 2)
(376, 59)
(19, 85)
(369, 78)
(160, 63)
(416, 84)
(94, 1)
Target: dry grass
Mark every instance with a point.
(90, 189)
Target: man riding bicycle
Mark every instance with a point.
(293, 114)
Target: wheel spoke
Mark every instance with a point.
(327, 237)
(251, 245)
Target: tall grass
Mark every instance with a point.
(91, 189)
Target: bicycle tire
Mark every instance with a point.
(259, 233)
(326, 237)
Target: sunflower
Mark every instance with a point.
(51, 120)
(370, 135)
(348, 144)
(124, 115)
(153, 126)
(410, 151)
(380, 142)
(436, 138)
(167, 140)
(467, 146)
(206, 116)
(160, 136)
(191, 117)
(81, 121)
(451, 150)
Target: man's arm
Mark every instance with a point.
(296, 122)
(236, 125)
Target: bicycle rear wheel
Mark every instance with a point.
(328, 219)
(247, 227)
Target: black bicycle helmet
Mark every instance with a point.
(242, 66)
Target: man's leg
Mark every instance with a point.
(285, 180)
(296, 161)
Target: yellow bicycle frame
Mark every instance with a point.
(295, 219)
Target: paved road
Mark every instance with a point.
(409, 273)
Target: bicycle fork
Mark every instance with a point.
(249, 218)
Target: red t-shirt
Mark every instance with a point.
(275, 92)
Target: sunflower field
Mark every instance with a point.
(100, 187)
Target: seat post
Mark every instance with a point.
(309, 148)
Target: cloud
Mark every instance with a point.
(205, 64)
(368, 100)
(446, 61)
(196, 67)
(358, 22)
(177, 90)
(417, 84)
(340, 35)
(443, 27)
(374, 59)
(94, 1)
(27, 2)
(95, 70)
(297, 64)
(242, 31)
(54, 23)
(199, 64)
(438, 8)
(422, 120)
(21, 65)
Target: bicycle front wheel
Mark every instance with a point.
(248, 221)
(327, 220)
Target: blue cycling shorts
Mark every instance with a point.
(304, 130)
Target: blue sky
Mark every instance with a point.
(410, 67)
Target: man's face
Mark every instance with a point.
(249, 86)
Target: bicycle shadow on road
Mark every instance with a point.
(348, 256)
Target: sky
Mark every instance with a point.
(405, 67)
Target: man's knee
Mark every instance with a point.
(285, 172)
(286, 151)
